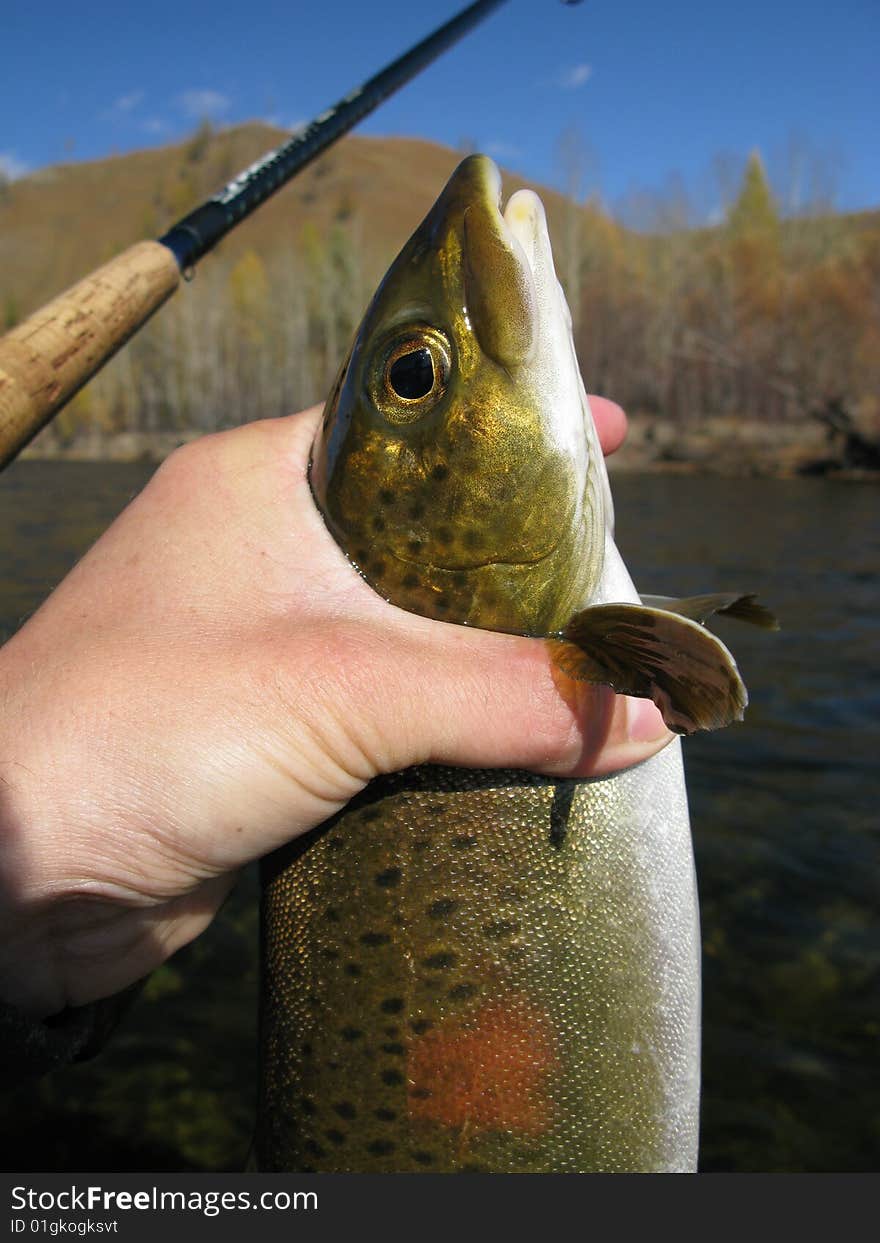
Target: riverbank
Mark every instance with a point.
(736, 448)
(722, 446)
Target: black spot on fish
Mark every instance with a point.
(391, 1030)
(423, 1158)
(335, 843)
(308, 1169)
(441, 603)
(420, 1026)
(391, 1005)
(334, 1065)
(335, 1137)
(501, 928)
(381, 1147)
(329, 953)
(442, 907)
(345, 1110)
(421, 843)
(395, 1048)
(371, 814)
(440, 472)
(377, 568)
(375, 938)
(379, 524)
(422, 1094)
(516, 953)
(392, 1077)
(353, 969)
(360, 556)
(441, 961)
(414, 545)
(510, 893)
(391, 876)
(471, 1167)
(386, 496)
(436, 809)
(443, 535)
(560, 810)
(472, 539)
(307, 1105)
(351, 1033)
(465, 842)
(410, 580)
(385, 1115)
(313, 1149)
(461, 992)
(417, 511)
(332, 915)
(306, 1050)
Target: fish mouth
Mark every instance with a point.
(506, 260)
(465, 567)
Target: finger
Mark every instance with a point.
(610, 423)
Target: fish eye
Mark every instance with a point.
(411, 375)
(414, 375)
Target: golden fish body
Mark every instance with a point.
(473, 970)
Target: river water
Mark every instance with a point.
(785, 812)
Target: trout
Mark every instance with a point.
(472, 970)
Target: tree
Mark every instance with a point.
(754, 213)
(755, 260)
(197, 147)
(578, 163)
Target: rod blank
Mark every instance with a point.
(197, 233)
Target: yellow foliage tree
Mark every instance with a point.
(753, 234)
(249, 291)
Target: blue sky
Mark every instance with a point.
(660, 95)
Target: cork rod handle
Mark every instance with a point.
(48, 357)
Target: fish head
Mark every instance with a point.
(457, 464)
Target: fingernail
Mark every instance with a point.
(643, 721)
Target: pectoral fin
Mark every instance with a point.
(655, 654)
(730, 603)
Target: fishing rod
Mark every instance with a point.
(47, 358)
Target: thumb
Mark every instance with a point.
(446, 694)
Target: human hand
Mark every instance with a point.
(214, 678)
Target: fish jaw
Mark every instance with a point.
(482, 504)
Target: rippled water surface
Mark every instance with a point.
(785, 816)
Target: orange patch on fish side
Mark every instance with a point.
(487, 1074)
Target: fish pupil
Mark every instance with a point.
(412, 375)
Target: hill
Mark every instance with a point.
(754, 345)
(59, 223)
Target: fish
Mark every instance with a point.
(492, 971)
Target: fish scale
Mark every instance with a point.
(449, 916)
